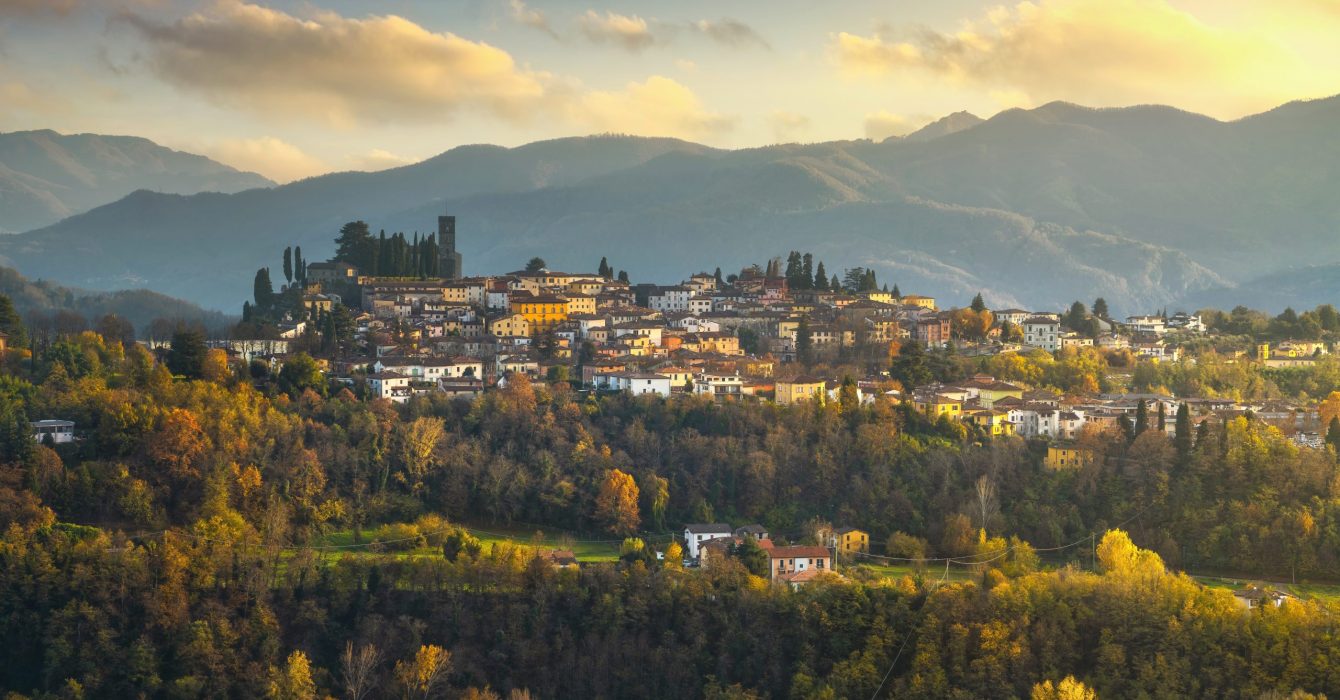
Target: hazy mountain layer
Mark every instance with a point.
(139, 306)
(46, 176)
(1144, 205)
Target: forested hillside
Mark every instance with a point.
(175, 548)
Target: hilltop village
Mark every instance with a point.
(785, 332)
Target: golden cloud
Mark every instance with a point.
(659, 106)
(384, 69)
(274, 158)
(340, 70)
(881, 125)
(1102, 52)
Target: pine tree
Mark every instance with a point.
(978, 304)
(834, 285)
(354, 245)
(793, 270)
(604, 269)
(1100, 307)
(717, 275)
(288, 265)
(806, 271)
(623, 276)
(896, 294)
(821, 277)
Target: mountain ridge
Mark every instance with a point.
(1199, 196)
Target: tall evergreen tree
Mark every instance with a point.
(807, 271)
(1163, 419)
(355, 245)
(288, 265)
(896, 294)
(263, 292)
(821, 277)
(1100, 307)
(623, 276)
(299, 265)
(717, 276)
(834, 285)
(1182, 439)
(804, 342)
(604, 269)
(11, 325)
(1141, 417)
(978, 304)
(793, 266)
(1333, 433)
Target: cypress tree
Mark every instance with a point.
(299, 265)
(1182, 440)
(288, 265)
(896, 294)
(1163, 419)
(807, 271)
(1141, 417)
(1333, 433)
(821, 277)
(717, 275)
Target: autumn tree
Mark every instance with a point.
(1066, 689)
(416, 449)
(616, 504)
(293, 681)
(424, 676)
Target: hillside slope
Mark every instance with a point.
(46, 176)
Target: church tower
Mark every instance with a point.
(448, 260)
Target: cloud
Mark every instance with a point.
(788, 127)
(1098, 51)
(659, 106)
(730, 32)
(274, 158)
(17, 96)
(338, 70)
(881, 125)
(631, 33)
(33, 8)
(525, 15)
(378, 159)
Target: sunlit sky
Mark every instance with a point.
(292, 89)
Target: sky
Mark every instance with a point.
(292, 89)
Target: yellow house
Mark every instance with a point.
(581, 304)
(512, 325)
(849, 540)
(1066, 457)
(923, 302)
(936, 405)
(993, 423)
(542, 312)
(882, 297)
(794, 391)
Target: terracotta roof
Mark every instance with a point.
(799, 552)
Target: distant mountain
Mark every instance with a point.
(1144, 205)
(139, 306)
(952, 124)
(1301, 287)
(46, 176)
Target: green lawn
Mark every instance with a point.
(586, 548)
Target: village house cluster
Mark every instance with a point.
(736, 337)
